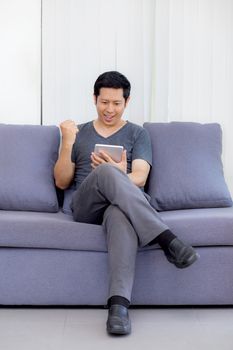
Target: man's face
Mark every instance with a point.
(110, 105)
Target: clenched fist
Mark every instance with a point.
(68, 130)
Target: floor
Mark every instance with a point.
(84, 328)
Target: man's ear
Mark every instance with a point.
(127, 101)
(95, 99)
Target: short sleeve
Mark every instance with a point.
(73, 154)
(142, 148)
(74, 148)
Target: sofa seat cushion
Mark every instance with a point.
(48, 230)
(202, 227)
(199, 227)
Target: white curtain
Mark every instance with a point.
(193, 66)
(178, 55)
(84, 38)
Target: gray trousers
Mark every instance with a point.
(107, 196)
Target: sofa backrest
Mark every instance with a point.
(27, 157)
(187, 169)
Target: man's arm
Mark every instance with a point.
(64, 168)
(140, 172)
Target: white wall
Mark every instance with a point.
(20, 61)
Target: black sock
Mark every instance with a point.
(117, 299)
(164, 239)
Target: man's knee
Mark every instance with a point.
(113, 212)
(107, 170)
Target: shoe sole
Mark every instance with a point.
(118, 331)
(189, 262)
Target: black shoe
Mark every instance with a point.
(118, 320)
(180, 254)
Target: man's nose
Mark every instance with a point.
(110, 108)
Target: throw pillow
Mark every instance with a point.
(187, 169)
(27, 157)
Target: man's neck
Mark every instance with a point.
(107, 130)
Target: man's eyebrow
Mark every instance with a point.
(105, 99)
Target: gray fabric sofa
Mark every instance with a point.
(48, 259)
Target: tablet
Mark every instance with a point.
(114, 151)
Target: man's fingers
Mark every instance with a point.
(94, 161)
(106, 157)
(97, 160)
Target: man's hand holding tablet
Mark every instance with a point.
(112, 154)
(114, 151)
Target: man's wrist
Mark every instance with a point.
(66, 143)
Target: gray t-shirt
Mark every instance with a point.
(132, 137)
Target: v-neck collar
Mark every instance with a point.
(114, 133)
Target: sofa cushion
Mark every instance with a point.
(27, 157)
(49, 230)
(199, 227)
(187, 169)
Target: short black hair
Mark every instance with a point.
(112, 79)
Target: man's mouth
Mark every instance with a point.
(108, 118)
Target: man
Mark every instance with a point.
(111, 193)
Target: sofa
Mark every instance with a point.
(48, 259)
